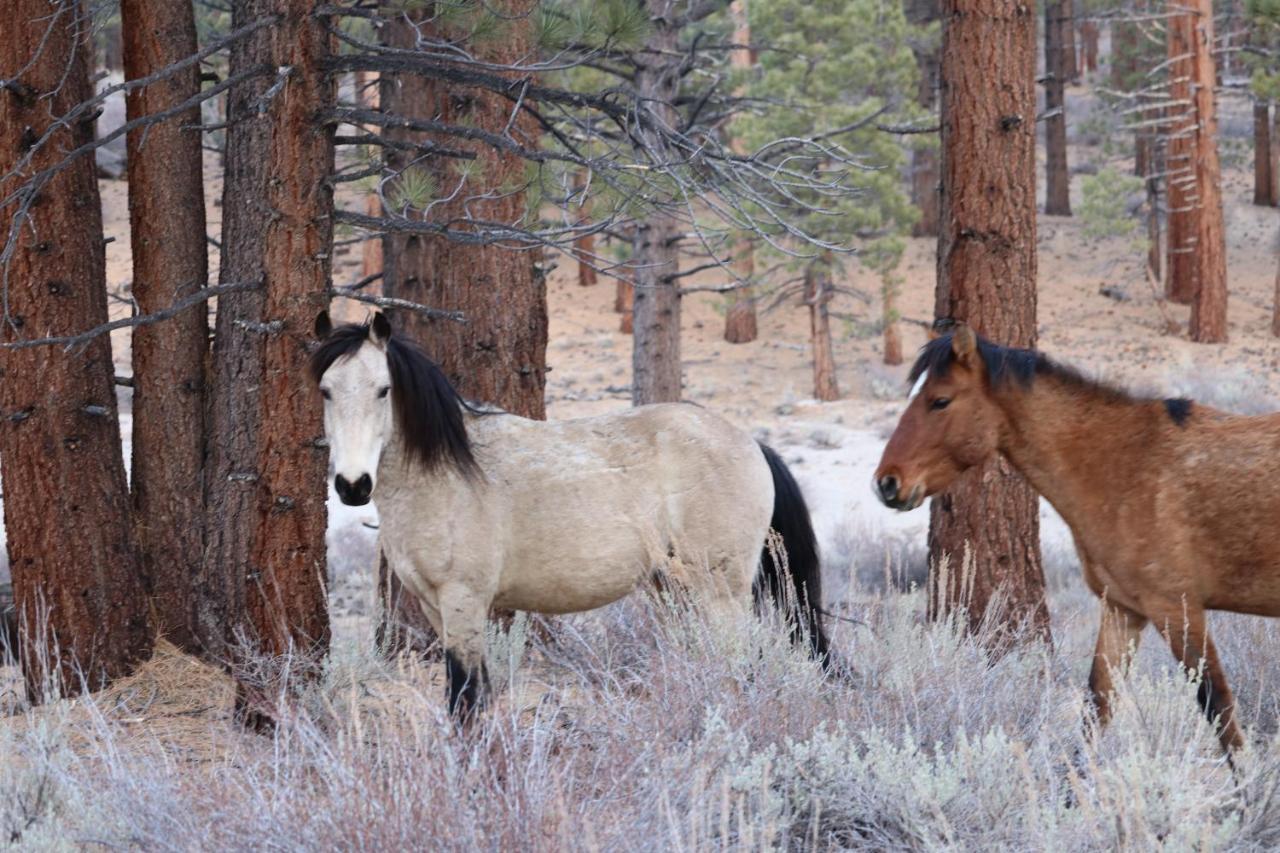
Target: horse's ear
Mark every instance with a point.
(323, 325)
(964, 344)
(940, 327)
(379, 328)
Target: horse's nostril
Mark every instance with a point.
(363, 486)
(888, 487)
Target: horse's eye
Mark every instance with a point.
(382, 392)
(939, 404)
(324, 392)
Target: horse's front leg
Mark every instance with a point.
(462, 615)
(1118, 629)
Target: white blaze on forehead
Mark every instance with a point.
(915, 389)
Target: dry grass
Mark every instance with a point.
(639, 728)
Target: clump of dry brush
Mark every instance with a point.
(639, 728)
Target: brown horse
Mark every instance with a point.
(1174, 506)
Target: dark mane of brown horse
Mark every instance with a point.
(1007, 365)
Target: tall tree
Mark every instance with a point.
(1057, 201)
(235, 399)
(923, 14)
(1264, 183)
(655, 361)
(167, 236)
(740, 323)
(76, 573)
(1180, 281)
(987, 278)
(267, 489)
(1209, 304)
(499, 355)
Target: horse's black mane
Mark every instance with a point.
(428, 408)
(1022, 366)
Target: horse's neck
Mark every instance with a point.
(1072, 445)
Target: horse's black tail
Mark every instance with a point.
(803, 601)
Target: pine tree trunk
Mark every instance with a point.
(267, 492)
(924, 158)
(817, 294)
(987, 278)
(1274, 155)
(1089, 36)
(236, 407)
(1070, 65)
(1275, 307)
(1263, 180)
(371, 250)
(892, 334)
(76, 574)
(1057, 200)
(740, 325)
(1151, 169)
(655, 361)
(584, 246)
(624, 300)
(1180, 283)
(167, 236)
(1209, 306)
(498, 355)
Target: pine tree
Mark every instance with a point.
(988, 523)
(76, 574)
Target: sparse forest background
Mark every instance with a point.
(761, 206)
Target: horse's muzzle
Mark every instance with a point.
(353, 494)
(889, 490)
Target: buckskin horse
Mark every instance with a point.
(483, 509)
(1174, 506)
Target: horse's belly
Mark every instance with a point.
(571, 587)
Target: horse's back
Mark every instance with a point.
(591, 506)
(1223, 476)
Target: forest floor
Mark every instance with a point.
(631, 732)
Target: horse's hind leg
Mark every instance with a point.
(1119, 628)
(462, 617)
(1189, 639)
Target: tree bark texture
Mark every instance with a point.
(818, 294)
(1209, 305)
(170, 359)
(498, 355)
(1180, 282)
(1057, 200)
(740, 322)
(1263, 180)
(268, 483)
(924, 158)
(76, 573)
(236, 405)
(1090, 34)
(655, 361)
(987, 278)
(584, 246)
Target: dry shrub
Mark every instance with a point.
(642, 727)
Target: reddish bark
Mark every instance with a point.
(167, 238)
(499, 355)
(817, 295)
(987, 278)
(1057, 175)
(1180, 282)
(76, 573)
(1209, 305)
